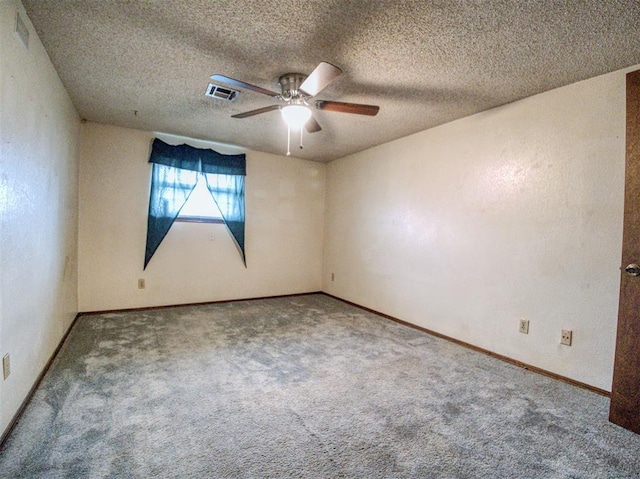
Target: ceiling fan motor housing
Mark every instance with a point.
(290, 84)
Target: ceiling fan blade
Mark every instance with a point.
(256, 112)
(312, 125)
(357, 108)
(319, 78)
(246, 86)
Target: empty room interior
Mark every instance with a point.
(431, 274)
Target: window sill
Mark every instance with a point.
(199, 219)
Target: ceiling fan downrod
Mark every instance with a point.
(290, 86)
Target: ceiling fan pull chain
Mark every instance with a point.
(288, 141)
(301, 147)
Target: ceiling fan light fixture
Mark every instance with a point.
(295, 116)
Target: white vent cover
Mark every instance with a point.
(221, 92)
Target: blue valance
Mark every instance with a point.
(197, 159)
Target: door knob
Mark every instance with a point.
(632, 270)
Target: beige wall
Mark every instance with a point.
(284, 231)
(39, 131)
(512, 213)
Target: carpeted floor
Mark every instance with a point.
(300, 387)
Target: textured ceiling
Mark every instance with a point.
(424, 62)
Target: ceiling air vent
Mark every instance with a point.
(221, 92)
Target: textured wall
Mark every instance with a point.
(284, 230)
(512, 213)
(39, 131)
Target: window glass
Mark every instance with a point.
(200, 205)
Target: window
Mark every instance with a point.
(200, 207)
(178, 171)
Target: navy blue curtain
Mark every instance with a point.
(176, 170)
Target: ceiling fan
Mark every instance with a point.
(298, 92)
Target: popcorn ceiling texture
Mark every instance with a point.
(424, 63)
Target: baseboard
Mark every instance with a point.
(203, 303)
(27, 399)
(507, 359)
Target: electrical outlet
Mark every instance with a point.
(141, 283)
(6, 366)
(566, 337)
(524, 326)
(333, 276)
